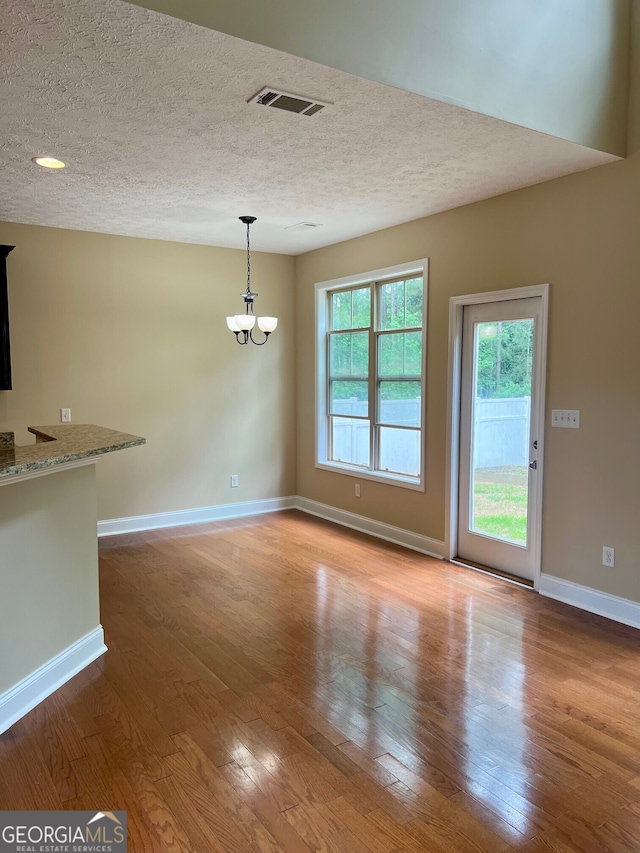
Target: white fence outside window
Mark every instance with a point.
(501, 431)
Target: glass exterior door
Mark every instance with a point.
(498, 465)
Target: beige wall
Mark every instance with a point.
(582, 235)
(558, 67)
(633, 138)
(131, 334)
(48, 569)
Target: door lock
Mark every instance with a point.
(533, 464)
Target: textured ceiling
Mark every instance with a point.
(150, 114)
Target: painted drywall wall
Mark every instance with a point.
(131, 334)
(557, 66)
(580, 234)
(48, 569)
(633, 139)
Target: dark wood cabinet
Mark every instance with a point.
(5, 349)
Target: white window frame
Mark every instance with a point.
(322, 289)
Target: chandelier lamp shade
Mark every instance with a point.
(243, 325)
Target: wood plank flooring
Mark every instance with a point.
(280, 684)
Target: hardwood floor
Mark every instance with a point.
(281, 684)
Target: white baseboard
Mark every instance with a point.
(222, 512)
(414, 541)
(593, 600)
(137, 523)
(26, 694)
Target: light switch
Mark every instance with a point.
(567, 418)
(65, 416)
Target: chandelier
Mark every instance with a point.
(242, 325)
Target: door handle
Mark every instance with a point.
(533, 464)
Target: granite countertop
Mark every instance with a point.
(58, 444)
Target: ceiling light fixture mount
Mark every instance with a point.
(242, 325)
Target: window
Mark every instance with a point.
(371, 348)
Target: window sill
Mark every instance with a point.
(375, 476)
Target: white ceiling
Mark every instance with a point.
(150, 114)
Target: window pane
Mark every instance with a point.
(349, 354)
(413, 303)
(401, 304)
(392, 305)
(400, 451)
(501, 428)
(400, 403)
(350, 441)
(341, 310)
(349, 398)
(400, 354)
(361, 302)
(351, 309)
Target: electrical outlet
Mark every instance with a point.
(65, 416)
(234, 481)
(608, 557)
(357, 490)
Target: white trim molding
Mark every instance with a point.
(201, 515)
(593, 600)
(26, 694)
(397, 535)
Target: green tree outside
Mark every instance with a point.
(504, 359)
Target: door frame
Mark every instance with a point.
(456, 311)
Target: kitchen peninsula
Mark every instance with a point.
(49, 598)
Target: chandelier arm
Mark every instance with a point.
(259, 343)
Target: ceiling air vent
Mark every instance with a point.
(268, 97)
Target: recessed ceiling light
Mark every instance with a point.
(49, 162)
